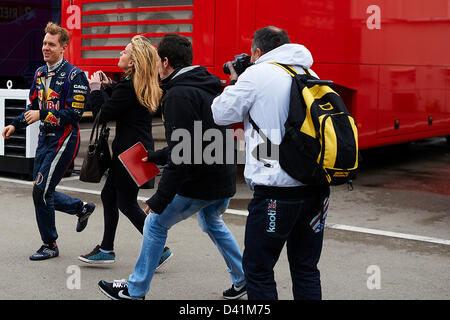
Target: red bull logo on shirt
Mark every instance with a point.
(52, 99)
(51, 105)
(52, 119)
(52, 95)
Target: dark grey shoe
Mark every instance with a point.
(46, 251)
(84, 214)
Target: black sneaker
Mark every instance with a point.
(117, 290)
(83, 216)
(235, 292)
(46, 251)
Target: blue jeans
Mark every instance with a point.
(155, 234)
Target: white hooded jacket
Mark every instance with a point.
(264, 91)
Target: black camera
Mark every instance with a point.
(240, 63)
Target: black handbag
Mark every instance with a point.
(98, 157)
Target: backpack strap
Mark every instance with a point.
(291, 70)
(264, 137)
(287, 68)
(293, 73)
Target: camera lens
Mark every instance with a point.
(226, 70)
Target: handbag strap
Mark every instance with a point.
(104, 131)
(95, 128)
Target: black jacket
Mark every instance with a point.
(133, 124)
(188, 96)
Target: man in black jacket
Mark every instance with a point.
(190, 183)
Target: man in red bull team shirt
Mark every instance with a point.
(57, 98)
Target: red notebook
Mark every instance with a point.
(141, 172)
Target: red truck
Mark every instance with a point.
(389, 59)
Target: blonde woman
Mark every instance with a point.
(131, 103)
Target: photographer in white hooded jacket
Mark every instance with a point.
(282, 209)
(264, 91)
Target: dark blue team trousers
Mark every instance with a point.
(54, 153)
(278, 216)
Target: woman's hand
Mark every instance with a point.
(104, 78)
(98, 79)
(94, 81)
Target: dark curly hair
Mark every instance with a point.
(177, 49)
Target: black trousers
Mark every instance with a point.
(124, 199)
(278, 216)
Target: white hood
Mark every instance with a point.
(290, 54)
(263, 91)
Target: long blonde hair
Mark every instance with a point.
(145, 73)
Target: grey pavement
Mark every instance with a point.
(354, 265)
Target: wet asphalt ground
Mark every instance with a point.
(388, 239)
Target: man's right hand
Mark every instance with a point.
(233, 75)
(8, 131)
(147, 209)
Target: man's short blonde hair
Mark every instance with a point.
(54, 29)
